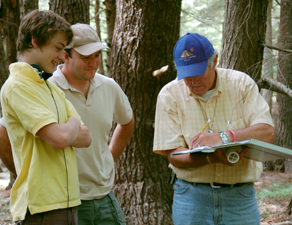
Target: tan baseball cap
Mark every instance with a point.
(85, 40)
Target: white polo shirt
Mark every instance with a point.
(106, 102)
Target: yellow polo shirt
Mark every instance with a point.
(47, 177)
(181, 114)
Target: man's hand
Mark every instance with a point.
(205, 139)
(219, 156)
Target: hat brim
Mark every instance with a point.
(192, 70)
(90, 48)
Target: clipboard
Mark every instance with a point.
(259, 150)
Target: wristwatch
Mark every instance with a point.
(224, 137)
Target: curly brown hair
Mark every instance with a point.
(42, 25)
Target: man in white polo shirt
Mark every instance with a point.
(99, 100)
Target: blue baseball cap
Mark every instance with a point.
(191, 54)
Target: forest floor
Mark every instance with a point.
(274, 191)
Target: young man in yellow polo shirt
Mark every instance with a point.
(43, 127)
(99, 100)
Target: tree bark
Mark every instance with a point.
(110, 22)
(110, 19)
(282, 119)
(268, 56)
(9, 23)
(244, 26)
(30, 5)
(3, 65)
(97, 22)
(144, 37)
(74, 11)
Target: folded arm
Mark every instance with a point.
(63, 135)
(6, 151)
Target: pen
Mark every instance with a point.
(206, 124)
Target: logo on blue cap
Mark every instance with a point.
(186, 55)
(191, 54)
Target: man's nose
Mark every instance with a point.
(195, 81)
(92, 61)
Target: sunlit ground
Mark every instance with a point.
(4, 180)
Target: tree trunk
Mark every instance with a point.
(110, 22)
(3, 65)
(9, 24)
(268, 56)
(244, 26)
(144, 37)
(30, 5)
(97, 22)
(10, 20)
(74, 11)
(110, 19)
(26, 6)
(269, 61)
(283, 119)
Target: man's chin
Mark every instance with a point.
(199, 92)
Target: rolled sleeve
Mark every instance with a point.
(168, 133)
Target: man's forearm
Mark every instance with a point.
(186, 160)
(6, 151)
(61, 136)
(261, 132)
(120, 138)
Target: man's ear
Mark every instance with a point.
(215, 61)
(33, 42)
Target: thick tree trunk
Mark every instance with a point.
(74, 11)
(268, 56)
(143, 41)
(110, 19)
(9, 24)
(244, 26)
(27, 5)
(110, 22)
(283, 119)
(3, 65)
(10, 20)
(30, 5)
(97, 22)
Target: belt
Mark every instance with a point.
(219, 185)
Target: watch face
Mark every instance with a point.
(224, 137)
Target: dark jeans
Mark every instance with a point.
(57, 217)
(104, 211)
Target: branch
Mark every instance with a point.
(273, 47)
(273, 85)
(278, 2)
(266, 82)
(158, 73)
(3, 20)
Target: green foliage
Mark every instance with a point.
(204, 17)
(277, 190)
